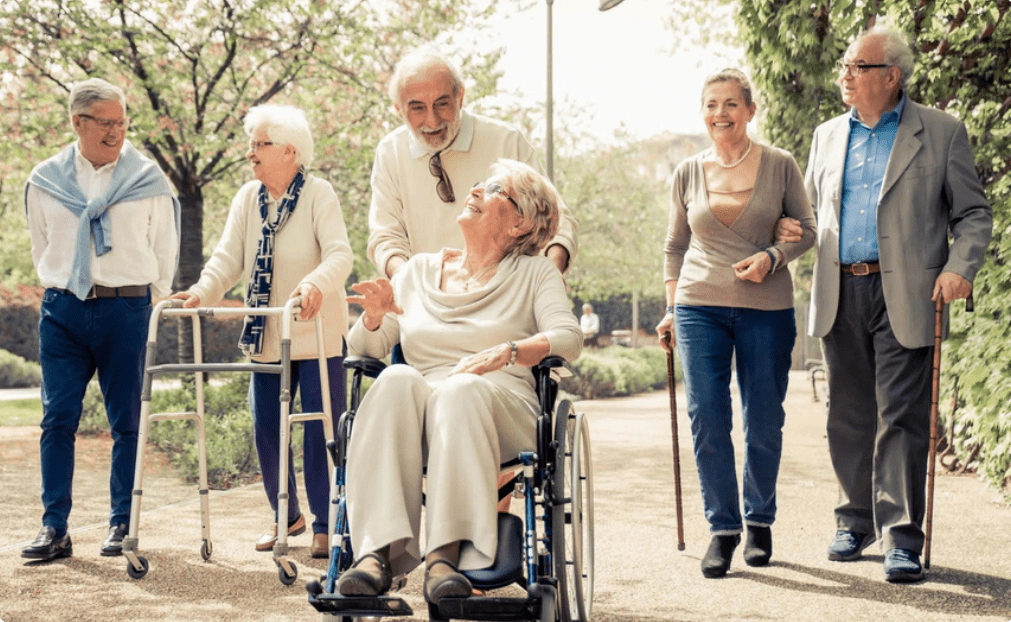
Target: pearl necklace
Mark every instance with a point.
(738, 162)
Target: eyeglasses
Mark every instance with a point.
(108, 124)
(491, 190)
(856, 69)
(442, 187)
(255, 145)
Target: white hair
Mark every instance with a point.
(896, 50)
(418, 62)
(537, 202)
(284, 125)
(92, 91)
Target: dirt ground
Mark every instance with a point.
(640, 575)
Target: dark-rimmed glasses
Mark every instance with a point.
(442, 187)
(856, 69)
(493, 189)
(108, 124)
(256, 145)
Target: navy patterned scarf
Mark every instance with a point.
(258, 293)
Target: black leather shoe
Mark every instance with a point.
(902, 566)
(357, 581)
(449, 585)
(849, 545)
(47, 546)
(758, 546)
(113, 544)
(716, 563)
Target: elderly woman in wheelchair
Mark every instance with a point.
(471, 323)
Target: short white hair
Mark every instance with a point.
(92, 91)
(537, 202)
(896, 50)
(284, 125)
(417, 62)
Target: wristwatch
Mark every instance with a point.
(669, 310)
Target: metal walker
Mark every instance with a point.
(137, 565)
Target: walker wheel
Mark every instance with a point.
(205, 550)
(133, 572)
(284, 577)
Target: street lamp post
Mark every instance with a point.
(550, 104)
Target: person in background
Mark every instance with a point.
(285, 235)
(730, 296)
(104, 226)
(589, 323)
(890, 181)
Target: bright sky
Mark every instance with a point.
(618, 62)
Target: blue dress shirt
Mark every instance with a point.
(866, 159)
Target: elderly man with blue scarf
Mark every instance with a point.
(104, 226)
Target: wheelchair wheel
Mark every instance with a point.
(572, 528)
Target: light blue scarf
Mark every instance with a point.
(136, 177)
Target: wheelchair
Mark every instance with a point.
(548, 553)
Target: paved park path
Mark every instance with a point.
(640, 574)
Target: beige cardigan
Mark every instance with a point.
(311, 247)
(700, 250)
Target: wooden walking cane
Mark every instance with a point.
(674, 436)
(934, 398)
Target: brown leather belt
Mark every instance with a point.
(101, 291)
(860, 269)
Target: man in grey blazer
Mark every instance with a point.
(890, 181)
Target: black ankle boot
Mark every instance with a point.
(758, 546)
(716, 563)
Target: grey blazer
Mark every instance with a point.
(931, 190)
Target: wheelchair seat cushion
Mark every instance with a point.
(508, 566)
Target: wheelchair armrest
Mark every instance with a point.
(364, 364)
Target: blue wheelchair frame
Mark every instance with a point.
(543, 566)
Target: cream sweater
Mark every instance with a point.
(311, 247)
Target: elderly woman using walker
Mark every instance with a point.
(285, 234)
(472, 322)
(729, 293)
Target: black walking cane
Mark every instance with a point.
(674, 435)
(934, 398)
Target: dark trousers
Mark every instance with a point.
(76, 339)
(878, 420)
(264, 401)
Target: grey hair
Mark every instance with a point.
(537, 201)
(418, 62)
(92, 91)
(730, 75)
(896, 50)
(285, 125)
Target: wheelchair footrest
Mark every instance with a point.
(484, 608)
(375, 606)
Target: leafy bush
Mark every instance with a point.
(17, 372)
(615, 371)
(20, 334)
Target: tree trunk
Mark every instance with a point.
(191, 259)
(635, 318)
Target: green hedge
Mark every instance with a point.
(616, 371)
(16, 372)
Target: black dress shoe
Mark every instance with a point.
(758, 546)
(357, 581)
(716, 563)
(449, 585)
(849, 545)
(47, 546)
(113, 544)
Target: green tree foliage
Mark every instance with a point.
(191, 70)
(962, 66)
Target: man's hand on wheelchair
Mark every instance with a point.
(376, 299)
(492, 359)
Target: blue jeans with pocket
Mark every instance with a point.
(708, 339)
(78, 338)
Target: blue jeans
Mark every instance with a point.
(265, 402)
(76, 339)
(707, 339)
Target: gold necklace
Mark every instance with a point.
(476, 278)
